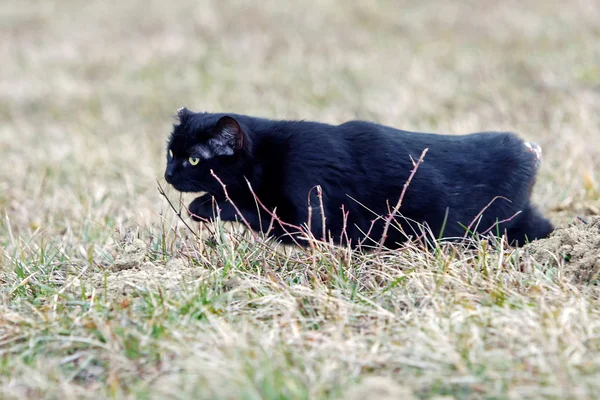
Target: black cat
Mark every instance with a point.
(478, 180)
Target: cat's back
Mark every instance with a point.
(388, 142)
(364, 130)
(366, 141)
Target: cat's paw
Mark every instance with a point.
(201, 209)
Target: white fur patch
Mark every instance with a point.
(204, 152)
(221, 146)
(536, 150)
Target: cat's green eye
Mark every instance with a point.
(194, 160)
(170, 153)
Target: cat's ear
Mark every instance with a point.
(183, 113)
(229, 136)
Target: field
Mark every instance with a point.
(105, 293)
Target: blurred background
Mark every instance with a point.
(88, 90)
(88, 94)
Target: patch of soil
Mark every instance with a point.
(132, 256)
(576, 247)
(567, 211)
(130, 275)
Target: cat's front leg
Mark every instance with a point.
(205, 208)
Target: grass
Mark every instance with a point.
(87, 97)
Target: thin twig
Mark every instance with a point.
(162, 193)
(368, 233)
(274, 216)
(501, 222)
(323, 217)
(481, 212)
(345, 226)
(322, 207)
(392, 215)
(227, 198)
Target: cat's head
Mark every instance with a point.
(202, 142)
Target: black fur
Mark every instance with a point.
(361, 166)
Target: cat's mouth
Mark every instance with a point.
(186, 188)
(183, 188)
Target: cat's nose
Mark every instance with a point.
(169, 172)
(169, 175)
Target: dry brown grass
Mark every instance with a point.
(87, 93)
